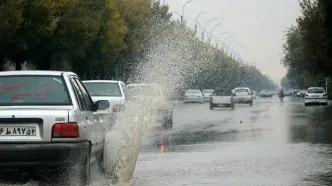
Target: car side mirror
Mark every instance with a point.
(101, 105)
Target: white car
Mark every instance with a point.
(243, 95)
(155, 95)
(113, 91)
(193, 96)
(207, 94)
(315, 95)
(49, 121)
(222, 99)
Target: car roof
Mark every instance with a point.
(35, 72)
(141, 84)
(101, 81)
(242, 88)
(315, 88)
(193, 90)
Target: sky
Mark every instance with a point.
(258, 25)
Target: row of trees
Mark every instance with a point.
(96, 38)
(307, 49)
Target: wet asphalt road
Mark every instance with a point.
(270, 143)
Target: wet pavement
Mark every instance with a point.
(269, 143)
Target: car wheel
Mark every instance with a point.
(109, 164)
(79, 169)
(211, 106)
(232, 106)
(168, 122)
(325, 103)
(306, 104)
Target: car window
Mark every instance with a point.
(79, 95)
(87, 98)
(241, 90)
(316, 91)
(222, 93)
(207, 91)
(33, 90)
(193, 92)
(125, 90)
(103, 89)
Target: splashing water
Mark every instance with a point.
(169, 59)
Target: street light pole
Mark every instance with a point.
(213, 28)
(204, 28)
(182, 15)
(197, 21)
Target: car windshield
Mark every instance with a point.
(193, 92)
(103, 89)
(33, 90)
(316, 91)
(144, 90)
(207, 91)
(222, 93)
(241, 90)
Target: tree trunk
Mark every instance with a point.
(45, 64)
(2, 62)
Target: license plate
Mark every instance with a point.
(17, 131)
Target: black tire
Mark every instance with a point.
(87, 170)
(168, 122)
(211, 106)
(78, 169)
(306, 104)
(325, 104)
(232, 106)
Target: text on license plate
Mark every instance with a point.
(17, 131)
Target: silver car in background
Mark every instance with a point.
(207, 94)
(193, 96)
(48, 121)
(113, 91)
(315, 95)
(243, 95)
(156, 97)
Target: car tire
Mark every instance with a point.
(109, 166)
(306, 104)
(80, 170)
(211, 106)
(168, 122)
(325, 103)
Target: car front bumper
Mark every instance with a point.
(15, 156)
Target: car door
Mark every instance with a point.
(97, 128)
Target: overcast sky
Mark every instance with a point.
(258, 25)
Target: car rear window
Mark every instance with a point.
(316, 90)
(241, 90)
(222, 93)
(193, 92)
(144, 90)
(103, 89)
(33, 90)
(207, 91)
